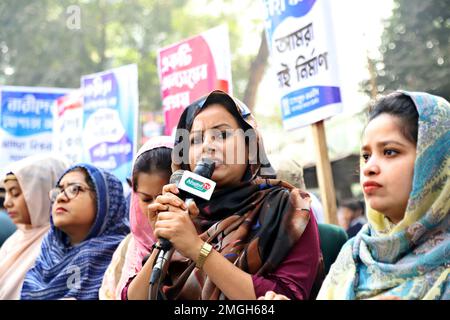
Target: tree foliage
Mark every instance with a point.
(415, 49)
(40, 47)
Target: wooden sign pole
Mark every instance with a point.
(324, 174)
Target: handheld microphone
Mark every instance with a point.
(191, 185)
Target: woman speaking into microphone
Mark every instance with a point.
(255, 234)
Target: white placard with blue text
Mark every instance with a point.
(300, 38)
(26, 121)
(110, 111)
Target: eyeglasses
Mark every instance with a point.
(71, 191)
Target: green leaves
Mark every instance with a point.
(54, 42)
(416, 48)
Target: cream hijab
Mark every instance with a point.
(36, 175)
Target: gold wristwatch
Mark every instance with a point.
(205, 250)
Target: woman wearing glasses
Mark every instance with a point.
(255, 234)
(88, 221)
(26, 200)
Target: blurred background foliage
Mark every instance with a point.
(40, 47)
(415, 49)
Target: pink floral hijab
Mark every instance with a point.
(140, 227)
(127, 259)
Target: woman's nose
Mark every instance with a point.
(209, 149)
(209, 144)
(7, 203)
(61, 197)
(371, 167)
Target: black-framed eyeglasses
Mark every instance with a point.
(71, 191)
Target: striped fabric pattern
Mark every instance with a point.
(65, 271)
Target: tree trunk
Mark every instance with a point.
(256, 73)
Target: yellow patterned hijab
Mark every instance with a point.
(410, 260)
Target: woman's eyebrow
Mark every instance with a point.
(221, 125)
(145, 194)
(215, 127)
(71, 184)
(384, 143)
(12, 189)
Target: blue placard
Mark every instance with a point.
(301, 42)
(26, 121)
(279, 10)
(110, 119)
(27, 113)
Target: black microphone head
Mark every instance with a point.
(205, 168)
(176, 177)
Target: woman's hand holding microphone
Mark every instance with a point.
(171, 218)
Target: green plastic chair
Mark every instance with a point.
(332, 238)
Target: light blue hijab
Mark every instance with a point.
(410, 260)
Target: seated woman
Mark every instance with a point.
(151, 171)
(26, 200)
(402, 253)
(88, 222)
(263, 234)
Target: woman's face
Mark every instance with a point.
(215, 134)
(149, 186)
(388, 169)
(74, 214)
(345, 217)
(15, 203)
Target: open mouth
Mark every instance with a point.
(216, 161)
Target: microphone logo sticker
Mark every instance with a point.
(197, 185)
